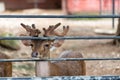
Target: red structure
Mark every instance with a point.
(25, 4)
(68, 6)
(76, 6)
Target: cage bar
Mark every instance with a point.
(58, 59)
(59, 38)
(66, 78)
(59, 16)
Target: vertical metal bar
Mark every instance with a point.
(118, 7)
(113, 13)
(100, 7)
(64, 7)
(35, 3)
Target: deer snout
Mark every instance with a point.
(34, 54)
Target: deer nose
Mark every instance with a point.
(34, 54)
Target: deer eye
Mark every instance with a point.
(46, 45)
(31, 45)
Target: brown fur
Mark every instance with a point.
(5, 67)
(66, 68)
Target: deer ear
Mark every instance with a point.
(58, 43)
(26, 42)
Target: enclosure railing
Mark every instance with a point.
(68, 38)
(61, 59)
(59, 16)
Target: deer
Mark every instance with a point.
(43, 48)
(5, 67)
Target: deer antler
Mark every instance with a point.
(65, 31)
(31, 30)
(50, 31)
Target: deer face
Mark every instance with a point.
(42, 48)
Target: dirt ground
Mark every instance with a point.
(89, 48)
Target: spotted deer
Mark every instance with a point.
(42, 48)
(5, 67)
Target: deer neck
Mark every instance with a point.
(43, 68)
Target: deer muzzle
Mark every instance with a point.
(34, 54)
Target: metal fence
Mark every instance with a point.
(67, 78)
(68, 38)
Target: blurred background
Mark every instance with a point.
(78, 27)
(68, 6)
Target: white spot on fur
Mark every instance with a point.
(52, 48)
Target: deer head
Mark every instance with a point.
(42, 47)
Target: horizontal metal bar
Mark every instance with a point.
(58, 38)
(66, 78)
(59, 16)
(58, 59)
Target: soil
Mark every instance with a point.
(89, 48)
